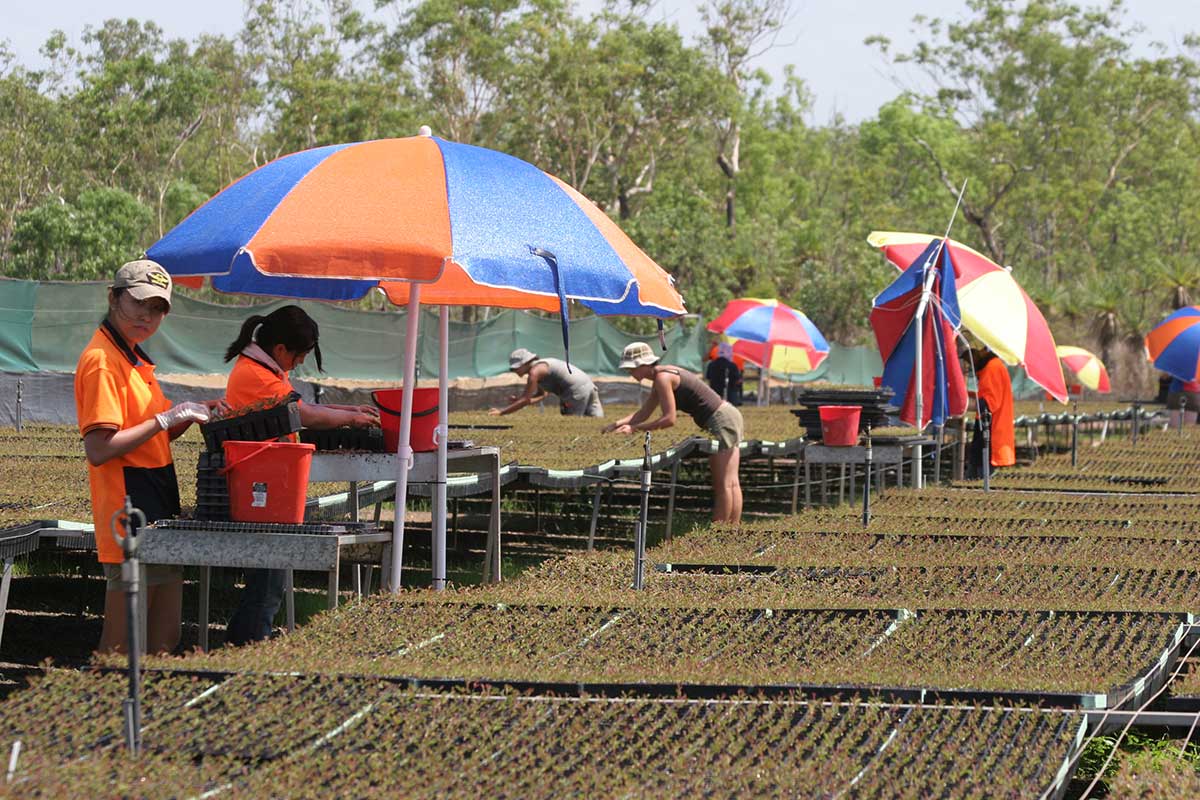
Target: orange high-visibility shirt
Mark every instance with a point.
(251, 381)
(115, 389)
(995, 387)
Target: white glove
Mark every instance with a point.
(182, 412)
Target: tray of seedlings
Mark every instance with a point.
(259, 422)
(1069, 658)
(300, 736)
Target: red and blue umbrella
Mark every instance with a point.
(894, 320)
(770, 322)
(1174, 344)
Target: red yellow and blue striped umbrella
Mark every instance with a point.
(994, 307)
(1174, 344)
(1085, 366)
(770, 322)
(481, 227)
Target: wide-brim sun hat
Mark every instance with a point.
(637, 354)
(519, 358)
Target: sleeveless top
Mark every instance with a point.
(574, 385)
(693, 396)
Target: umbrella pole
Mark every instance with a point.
(919, 376)
(404, 451)
(987, 450)
(439, 488)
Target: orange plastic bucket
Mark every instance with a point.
(839, 425)
(268, 481)
(424, 418)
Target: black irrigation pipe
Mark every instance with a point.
(689, 691)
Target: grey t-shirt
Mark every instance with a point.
(574, 387)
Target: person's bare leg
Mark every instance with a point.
(115, 634)
(723, 465)
(165, 616)
(735, 486)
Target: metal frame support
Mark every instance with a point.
(671, 500)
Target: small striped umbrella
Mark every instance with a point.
(1086, 367)
(1174, 344)
(771, 322)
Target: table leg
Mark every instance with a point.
(807, 485)
(494, 525)
(841, 483)
(333, 585)
(352, 500)
(202, 606)
(5, 583)
(289, 594)
(595, 516)
(795, 484)
(853, 485)
(671, 498)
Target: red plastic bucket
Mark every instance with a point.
(839, 425)
(268, 481)
(424, 418)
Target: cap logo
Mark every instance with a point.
(159, 279)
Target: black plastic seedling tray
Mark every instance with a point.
(257, 426)
(365, 439)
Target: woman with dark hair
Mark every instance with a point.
(267, 349)
(127, 426)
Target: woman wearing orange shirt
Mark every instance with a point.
(267, 349)
(127, 425)
(995, 391)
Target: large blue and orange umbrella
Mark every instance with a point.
(482, 227)
(1174, 344)
(939, 384)
(770, 322)
(994, 307)
(426, 221)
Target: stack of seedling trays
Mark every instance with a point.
(260, 425)
(368, 440)
(876, 407)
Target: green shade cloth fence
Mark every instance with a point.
(44, 326)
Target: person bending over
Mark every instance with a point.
(577, 395)
(673, 390)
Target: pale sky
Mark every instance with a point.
(824, 39)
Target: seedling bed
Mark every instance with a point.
(244, 733)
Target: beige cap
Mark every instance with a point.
(144, 279)
(519, 358)
(637, 354)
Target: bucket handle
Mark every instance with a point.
(395, 413)
(225, 469)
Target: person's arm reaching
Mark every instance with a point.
(665, 391)
(629, 423)
(536, 373)
(320, 417)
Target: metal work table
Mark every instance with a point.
(477, 461)
(191, 545)
(881, 456)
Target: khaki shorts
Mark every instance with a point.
(156, 575)
(726, 426)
